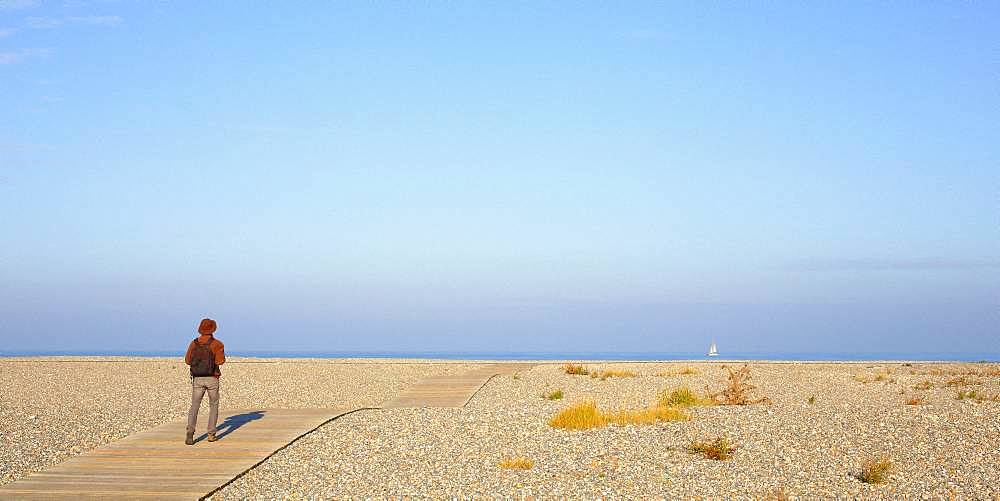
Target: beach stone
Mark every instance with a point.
(942, 449)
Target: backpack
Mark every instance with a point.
(202, 359)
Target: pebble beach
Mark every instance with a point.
(937, 424)
(56, 407)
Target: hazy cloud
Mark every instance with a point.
(870, 264)
(17, 4)
(21, 147)
(40, 23)
(646, 34)
(4, 33)
(85, 3)
(37, 81)
(19, 55)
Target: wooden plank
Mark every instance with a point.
(156, 464)
(99, 494)
(451, 391)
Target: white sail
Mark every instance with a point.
(712, 351)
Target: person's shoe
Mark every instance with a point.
(212, 437)
(189, 440)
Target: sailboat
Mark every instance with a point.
(712, 351)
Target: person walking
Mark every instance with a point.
(205, 354)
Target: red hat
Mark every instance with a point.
(207, 326)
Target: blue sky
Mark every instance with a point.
(530, 177)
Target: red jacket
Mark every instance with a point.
(217, 349)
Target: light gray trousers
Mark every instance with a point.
(199, 386)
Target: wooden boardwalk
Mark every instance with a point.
(451, 391)
(155, 464)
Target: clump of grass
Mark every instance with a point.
(686, 371)
(962, 381)
(586, 415)
(718, 449)
(881, 376)
(915, 400)
(554, 395)
(812, 399)
(738, 389)
(604, 375)
(923, 385)
(993, 371)
(875, 470)
(517, 376)
(520, 463)
(777, 495)
(978, 396)
(649, 415)
(582, 416)
(683, 397)
(575, 370)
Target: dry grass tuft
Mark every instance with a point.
(978, 396)
(604, 375)
(915, 400)
(586, 415)
(966, 394)
(962, 381)
(992, 371)
(777, 495)
(875, 471)
(883, 376)
(718, 449)
(553, 395)
(582, 416)
(520, 463)
(683, 397)
(924, 385)
(686, 371)
(812, 400)
(575, 370)
(649, 415)
(738, 389)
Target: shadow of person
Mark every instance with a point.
(232, 423)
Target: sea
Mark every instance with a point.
(548, 355)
